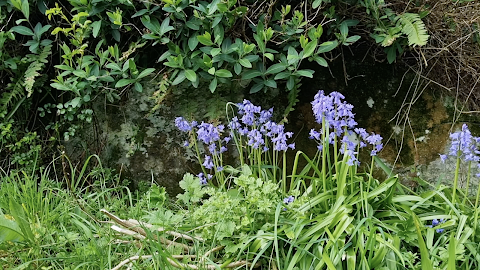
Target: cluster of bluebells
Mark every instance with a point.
(464, 146)
(337, 115)
(253, 124)
(256, 126)
(435, 223)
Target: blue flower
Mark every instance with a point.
(288, 200)
(208, 133)
(464, 144)
(203, 180)
(435, 223)
(183, 124)
(339, 117)
(208, 163)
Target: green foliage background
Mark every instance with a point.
(58, 58)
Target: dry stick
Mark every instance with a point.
(134, 227)
(210, 251)
(136, 258)
(161, 229)
(127, 232)
(184, 265)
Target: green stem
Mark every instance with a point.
(455, 181)
(468, 183)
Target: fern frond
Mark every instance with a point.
(33, 69)
(414, 28)
(10, 96)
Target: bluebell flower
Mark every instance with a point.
(219, 168)
(255, 138)
(186, 144)
(248, 111)
(435, 223)
(208, 163)
(464, 145)
(339, 117)
(288, 200)
(208, 133)
(203, 179)
(183, 124)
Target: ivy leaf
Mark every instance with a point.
(190, 75)
(223, 73)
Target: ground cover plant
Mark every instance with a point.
(252, 214)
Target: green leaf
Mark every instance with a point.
(123, 82)
(138, 87)
(19, 215)
(452, 253)
(223, 73)
(250, 74)
(213, 85)
(165, 27)
(282, 75)
(26, 9)
(96, 28)
(305, 73)
(145, 73)
(180, 78)
(316, 3)
(76, 102)
(60, 86)
(321, 61)
(191, 75)
(192, 42)
(290, 83)
(309, 48)
(22, 30)
(257, 87)
(414, 28)
(9, 230)
(424, 253)
(276, 68)
(244, 62)
(270, 83)
(327, 46)
(114, 66)
(205, 39)
(237, 68)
